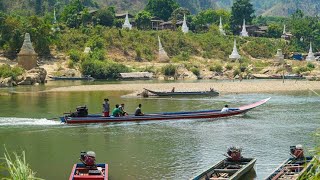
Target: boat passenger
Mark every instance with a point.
(173, 89)
(225, 109)
(123, 113)
(116, 111)
(106, 108)
(138, 111)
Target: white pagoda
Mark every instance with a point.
(234, 54)
(310, 56)
(54, 16)
(185, 28)
(244, 32)
(126, 23)
(279, 56)
(222, 32)
(163, 57)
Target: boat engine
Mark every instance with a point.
(88, 158)
(297, 151)
(234, 154)
(81, 111)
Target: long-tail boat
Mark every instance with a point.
(231, 168)
(82, 116)
(183, 93)
(88, 170)
(86, 77)
(294, 167)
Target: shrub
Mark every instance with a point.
(195, 71)
(169, 70)
(75, 55)
(236, 72)
(18, 167)
(7, 71)
(217, 68)
(310, 66)
(103, 70)
(229, 66)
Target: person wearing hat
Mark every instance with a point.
(225, 108)
(106, 107)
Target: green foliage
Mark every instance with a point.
(241, 9)
(274, 31)
(7, 71)
(102, 69)
(183, 56)
(17, 166)
(75, 55)
(229, 67)
(216, 68)
(169, 70)
(310, 66)
(178, 14)
(105, 17)
(236, 72)
(161, 8)
(143, 20)
(262, 47)
(209, 16)
(195, 71)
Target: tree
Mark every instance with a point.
(72, 13)
(179, 13)
(161, 8)
(105, 17)
(274, 31)
(241, 9)
(143, 20)
(38, 7)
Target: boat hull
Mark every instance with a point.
(291, 169)
(194, 93)
(246, 164)
(163, 116)
(81, 172)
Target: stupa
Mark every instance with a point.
(279, 56)
(55, 27)
(163, 57)
(87, 50)
(222, 32)
(244, 32)
(185, 28)
(27, 57)
(234, 54)
(127, 23)
(310, 56)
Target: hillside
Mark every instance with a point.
(262, 7)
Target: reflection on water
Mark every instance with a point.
(155, 150)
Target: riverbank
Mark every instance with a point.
(250, 86)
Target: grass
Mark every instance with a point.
(17, 167)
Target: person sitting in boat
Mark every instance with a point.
(123, 113)
(211, 89)
(138, 111)
(116, 111)
(234, 153)
(225, 108)
(88, 158)
(106, 107)
(173, 89)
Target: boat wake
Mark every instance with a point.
(13, 121)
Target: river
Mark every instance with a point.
(153, 150)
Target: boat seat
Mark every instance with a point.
(94, 172)
(229, 171)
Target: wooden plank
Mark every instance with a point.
(229, 171)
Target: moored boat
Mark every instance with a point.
(294, 167)
(88, 169)
(231, 168)
(82, 116)
(186, 93)
(87, 78)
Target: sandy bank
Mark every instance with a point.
(223, 87)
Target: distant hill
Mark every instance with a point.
(262, 7)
